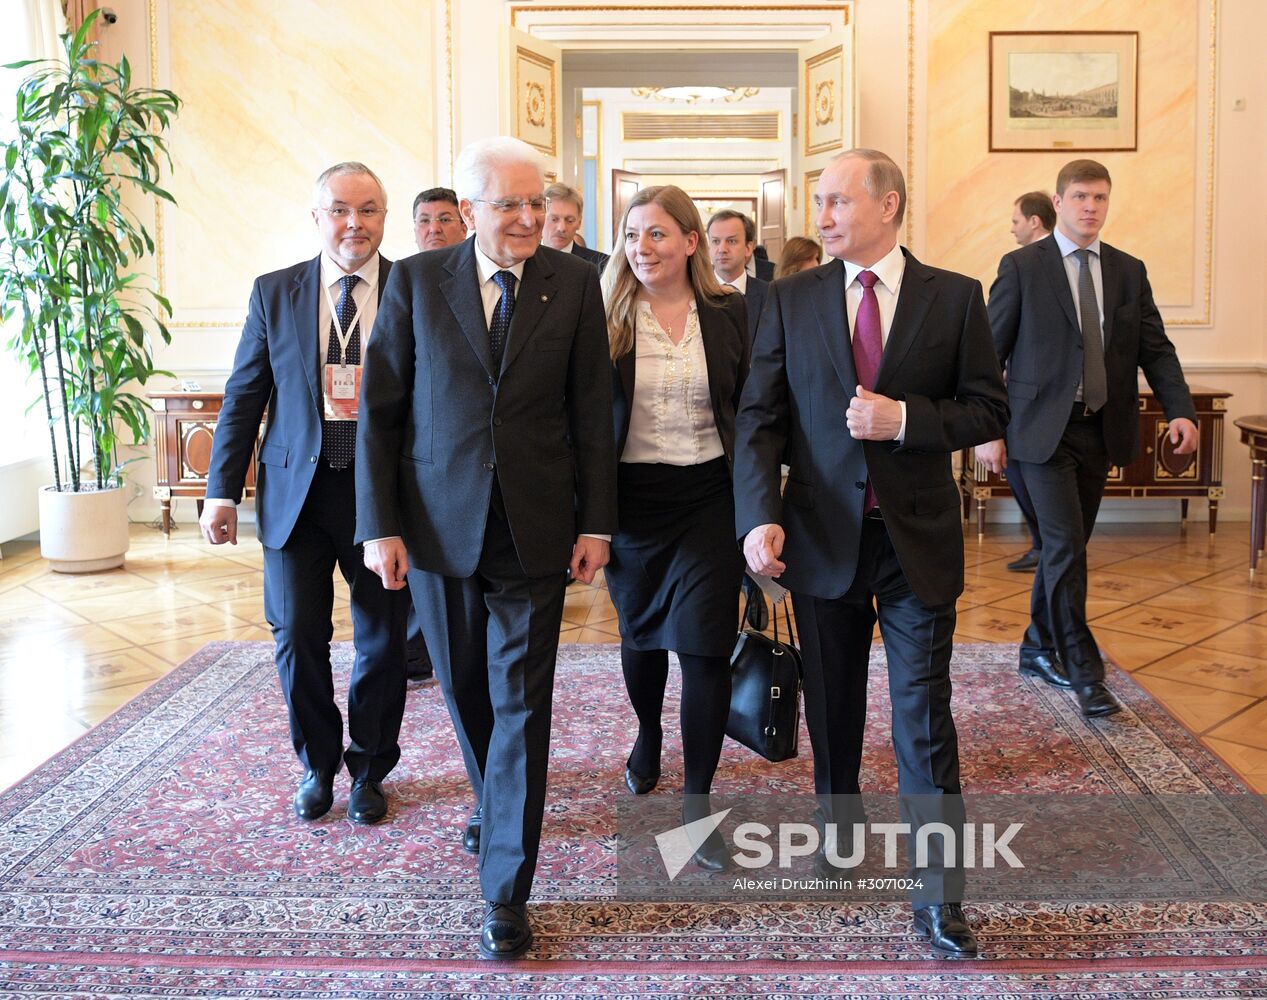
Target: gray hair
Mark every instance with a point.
(882, 177)
(338, 170)
(479, 160)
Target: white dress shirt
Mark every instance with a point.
(1073, 271)
(739, 284)
(671, 418)
(364, 294)
(888, 270)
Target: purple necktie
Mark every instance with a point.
(868, 349)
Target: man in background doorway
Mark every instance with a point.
(437, 221)
(1033, 219)
(565, 211)
(732, 237)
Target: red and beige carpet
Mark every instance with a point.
(158, 857)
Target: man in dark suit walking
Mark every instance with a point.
(867, 374)
(565, 211)
(489, 471)
(300, 357)
(731, 239)
(1074, 322)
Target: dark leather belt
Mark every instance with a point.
(1082, 412)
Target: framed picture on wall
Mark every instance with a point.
(1064, 90)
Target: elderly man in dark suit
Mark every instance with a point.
(867, 374)
(489, 471)
(1074, 322)
(300, 357)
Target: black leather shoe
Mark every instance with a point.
(947, 930)
(637, 784)
(471, 835)
(1026, 563)
(711, 855)
(315, 795)
(506, 933)
(1046, 667)
(1096, 700)
(368, 801)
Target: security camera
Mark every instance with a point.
(109, 16)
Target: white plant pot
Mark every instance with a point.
(83, 532)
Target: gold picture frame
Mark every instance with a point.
(1075, 91)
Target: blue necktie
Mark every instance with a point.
(338, 437)
(499, 328)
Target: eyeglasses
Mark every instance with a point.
(444, 220)
(509, 205)
(340, 213)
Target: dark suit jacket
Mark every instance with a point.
(938, 358)
(437, 423)
(764, 268)
(1038, 337)
(724, 330)
(755, 294)
(276, 366)
(595, 257)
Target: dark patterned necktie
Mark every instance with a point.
(502, 313)
(1095, 382)
(868, 350)
(338, 437)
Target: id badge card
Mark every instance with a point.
(342, 384)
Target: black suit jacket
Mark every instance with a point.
(755, 293)
(938, 358)
(595, 257)
(764, 268)
(1038, 337)
(276, 366)
(437, 423)
(724, 330)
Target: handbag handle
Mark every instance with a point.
(787, 616)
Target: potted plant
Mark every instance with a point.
(69, 246)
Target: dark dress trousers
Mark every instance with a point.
(1064, 459)
(843, 568)
(305, 520)
(489, 473)
(675, 569)
(595, 257)
(754, 295)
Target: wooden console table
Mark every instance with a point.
(1158, 473)
(184, 426)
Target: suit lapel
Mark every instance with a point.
(1054, 264)
(833, 322)
(462, 292)
(1111, 280)
(913, 302)
(626, 367)
(710, 321)
(384, 269)
(306, 316)
(535, 291)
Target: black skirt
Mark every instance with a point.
(675, 565)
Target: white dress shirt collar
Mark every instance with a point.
(1068, 246)
(488, 267)
(739, 284)
(331, 272)
(888, 269)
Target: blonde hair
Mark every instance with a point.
(620, 286)
(796, 251)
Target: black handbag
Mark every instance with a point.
(765, 690)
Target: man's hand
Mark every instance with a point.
(872, 417)
(589, 555)
(762, 548)
(993, 455)
(388, 560)
(219, 524)
(1183, 435)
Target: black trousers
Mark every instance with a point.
(1020, 492)
(494, 637)
(1066, 492)
(299, 604)
(835, 639)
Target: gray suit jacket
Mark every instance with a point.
(1038, 338)
(437, 424)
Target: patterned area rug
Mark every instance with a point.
(158, 857)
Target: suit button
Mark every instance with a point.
(861, 485)
(491, 380)
(312, 458)
(489, 466)
(497, 421)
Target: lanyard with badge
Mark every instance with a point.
(342, 382)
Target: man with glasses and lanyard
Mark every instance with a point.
(300, 358)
